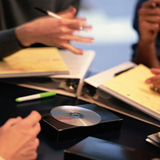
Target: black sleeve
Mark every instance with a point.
(8, 43)
(135, 26)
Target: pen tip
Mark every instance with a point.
(39, 9)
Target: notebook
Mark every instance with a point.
(33, 62)
(65, 84)
(131, 88)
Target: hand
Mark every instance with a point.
(18, 138)
(54, 32)
(149, 21)
(155, 80)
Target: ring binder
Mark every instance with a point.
(69, 84)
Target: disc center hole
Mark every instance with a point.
(75, 115)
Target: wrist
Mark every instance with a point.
(146, 43)
(24, 35)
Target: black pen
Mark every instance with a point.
(118, 73)
(49, 13)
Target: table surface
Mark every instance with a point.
(131, 134)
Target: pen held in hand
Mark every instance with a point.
(52, 14)
(49, 13)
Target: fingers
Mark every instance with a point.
(76, 24)
(32, 123)
(155, 71)
(11, 122)
(151, 26)
(32, 119)
(29, 151)
(32, 145)
(155, 79)
(72, 48)
(76, 38)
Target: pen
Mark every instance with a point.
(49, 13)
(116, 74)
(35, 96)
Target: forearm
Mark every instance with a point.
(8, 43)
(146, 54)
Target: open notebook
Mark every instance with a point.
(131, 88)
(33, 62)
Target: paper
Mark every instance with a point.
(131, 85)
(33, 60)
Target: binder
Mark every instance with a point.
(65, 84)
(93, 93)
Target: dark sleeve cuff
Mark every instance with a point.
(8, 43)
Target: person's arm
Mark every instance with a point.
(8, 43)
(45, 30)
(54, 32)
(147, 25)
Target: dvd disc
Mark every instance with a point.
(75, 115)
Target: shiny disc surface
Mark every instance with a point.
(75, 115)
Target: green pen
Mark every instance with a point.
(35, 96)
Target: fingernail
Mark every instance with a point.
(154, 5)
(148, 81)
(92, 40)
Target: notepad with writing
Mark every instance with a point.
(130, 87)
(33, 62)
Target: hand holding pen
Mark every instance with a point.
(54, 30)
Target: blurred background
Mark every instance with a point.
(112, 29)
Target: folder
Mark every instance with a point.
(65, 84)
(93, 92)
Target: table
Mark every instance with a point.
(132, 133)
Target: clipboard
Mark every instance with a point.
(93, 93)
(65, 84)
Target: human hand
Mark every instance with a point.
(54, 32)
(149, 20)
(18, 138)
(155, 80)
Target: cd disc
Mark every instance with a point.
(75, 115)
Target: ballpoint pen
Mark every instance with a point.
(35, 96)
